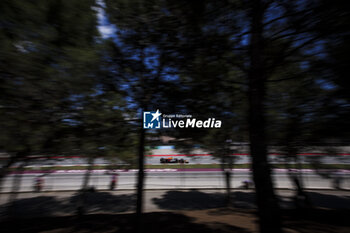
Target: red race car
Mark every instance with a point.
(172, 160)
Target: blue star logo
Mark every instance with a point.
(152, 120)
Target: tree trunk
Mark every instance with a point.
(300, 172)
(88, 173)
(16, 185)
(227, 173)
(268, 209)
(4, 170)
(145, 98)
(301, 194)
(84, 188)
(228, 186)
(140, 179)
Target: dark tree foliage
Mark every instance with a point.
(54, 93)
(45, 60)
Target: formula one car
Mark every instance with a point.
(172, 160)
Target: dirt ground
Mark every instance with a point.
(170, 211)
(210, 220)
